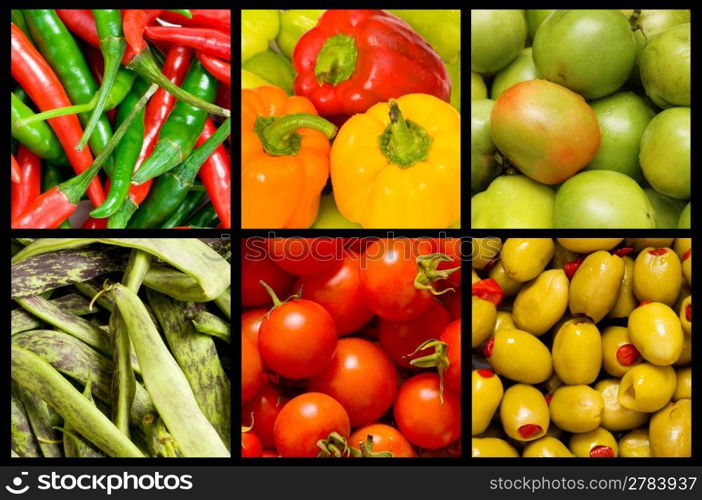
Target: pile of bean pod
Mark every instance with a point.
(120, 347)
(582, 347)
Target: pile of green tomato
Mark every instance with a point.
(587, 124)
(581, 347)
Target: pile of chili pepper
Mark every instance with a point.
(135, 103)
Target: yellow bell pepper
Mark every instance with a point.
(399, 165)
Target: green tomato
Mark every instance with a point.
(535, 18)
(665, 67)
(513, 201)
(250, 81)
(684, 222)
(293, 24)
(483, 167)
(623, 118)
(478, 90)
(665, 153)
(592, 52)
(519, 70)
(258, 27)
(667, 209)
(329, 216)
(603, 199)
(441, 28)
(496, 38)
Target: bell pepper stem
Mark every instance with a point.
(336, 60)
(404, 142)
(279, 135)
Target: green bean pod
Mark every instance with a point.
(73, 444)
(209, 324)
(224, 302)
(43, 419)
(23, 442)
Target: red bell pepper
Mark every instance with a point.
(354, 59)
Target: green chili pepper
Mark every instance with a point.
(273, 68)
(182, 128)
(18, 20)
(185, 209)
(37, 137)
(204, 217)
(61, 51)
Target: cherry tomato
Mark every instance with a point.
(452, 375)
(307, 419)
(270, 454)
(357, 244)
(385, 438)
(388, 273)
(251, 370)
(401, 338)
(361, 377)
(305, 256)
(297, 339)
(251, 322)
(260, 413)
(422, 417)
(452, 301)
(256, 266)
(338, 290)
(250, 445)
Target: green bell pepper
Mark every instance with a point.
(273, 68)
(258, 28)
(454, 71)
(440, 28)
(249, 80)
(294, 24)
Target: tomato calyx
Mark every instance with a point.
(627, 354)
(429, 272)
(335, 445)
(438, 359)
(602, 451)
(276, 301)
(366, 450)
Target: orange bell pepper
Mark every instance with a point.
(284, 159)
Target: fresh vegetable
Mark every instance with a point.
(293, 24)
(273, 68)
(258, 27)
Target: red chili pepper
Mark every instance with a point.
(221, 70)
(621, 252)
(42, 85)
(216, 175)
(15, 172)
(219, 19)
(489, 290)
(29, 187)
(47, 211)
(207, 40)
(627, 354)
(81, 23)
(571, 267)
(134, 22)
(92, 223)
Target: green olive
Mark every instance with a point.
(589, 245)
(657, 275)
(509, 285)
(626, 300)
(519, 356)
(618, 352)
(687, 268)
(577, 352)
(524, 413)
(486, 397)
(683, 384)
(639, 244)
(576, 408)
(504, 320)
(596, 443)
(546, 447)
(552, 383)
(681, 246)
(635, 444)
(541, 302)
(492, 447)
(670, 430)
(656, 332)
(595, 286)
(484, 250)
(482, 320)
(686, 354)
(647, 387)
(686, 315)
(525, 258)
(561, 257)
(614, 416)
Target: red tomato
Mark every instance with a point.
(263, 409)
(250, 445)
(305, 256)
(421, 416)
(297, 339)
(452, 301)
(357, 244)
(256, 266)
(452, 248)
(385, 438)
(452, 337)
(270, 454)
(251, 322)
(388, 273)
(307, 419)
(338, 290)
(400, 338)
(361, 377)
(251, 369)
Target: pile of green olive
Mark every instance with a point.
(581, 347)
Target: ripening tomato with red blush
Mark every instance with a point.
(256, 266)
(251, 322)
(384, 438)
(251, 369)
